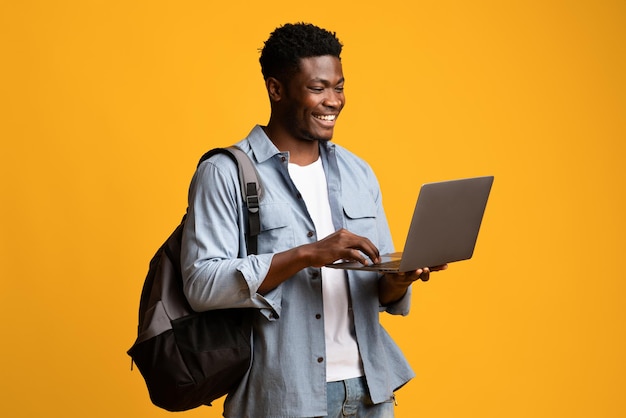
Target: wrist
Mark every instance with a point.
(391, 290)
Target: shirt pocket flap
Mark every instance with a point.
(359, 206)
(275, 216)
(277, 222)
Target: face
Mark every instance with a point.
(313, 99)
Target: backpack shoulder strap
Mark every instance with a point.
(251, 190)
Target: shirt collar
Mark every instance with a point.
(263, 148)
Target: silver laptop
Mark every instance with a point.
(444, 227)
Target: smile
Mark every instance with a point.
(328, 118)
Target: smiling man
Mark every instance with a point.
(318, 347)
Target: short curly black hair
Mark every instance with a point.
(291, 42)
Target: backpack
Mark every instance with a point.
(188, 358)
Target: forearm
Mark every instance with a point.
(341, 244)
(285, 265)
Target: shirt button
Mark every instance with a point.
(283, 159)
(315, 274)
(320, 359)
(310, 234)
(318, 316)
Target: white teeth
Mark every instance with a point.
(326, 117)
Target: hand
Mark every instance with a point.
(343, 245)
(422, 274)
(393, 286)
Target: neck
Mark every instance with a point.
(301, 152)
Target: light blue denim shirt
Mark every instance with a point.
(287, 377)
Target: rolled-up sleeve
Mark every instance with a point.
(217, 271)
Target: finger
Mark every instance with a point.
(356, 255)
(370, 250)
(348, 240)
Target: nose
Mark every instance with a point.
(333, 99)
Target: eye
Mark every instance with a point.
(339, 89)
(316, 89)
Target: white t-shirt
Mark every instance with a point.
(342, 352)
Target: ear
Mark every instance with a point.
(275, 89)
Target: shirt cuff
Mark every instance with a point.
(401, 306)
(254, 273)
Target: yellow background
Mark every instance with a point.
(105, 107)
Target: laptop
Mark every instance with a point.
(444, 227)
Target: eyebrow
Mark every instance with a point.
(327, 82)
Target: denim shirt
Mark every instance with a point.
(287, 377)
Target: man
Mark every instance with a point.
(318, 347)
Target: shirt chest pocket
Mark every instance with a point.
(276, 228)
(360, 216)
